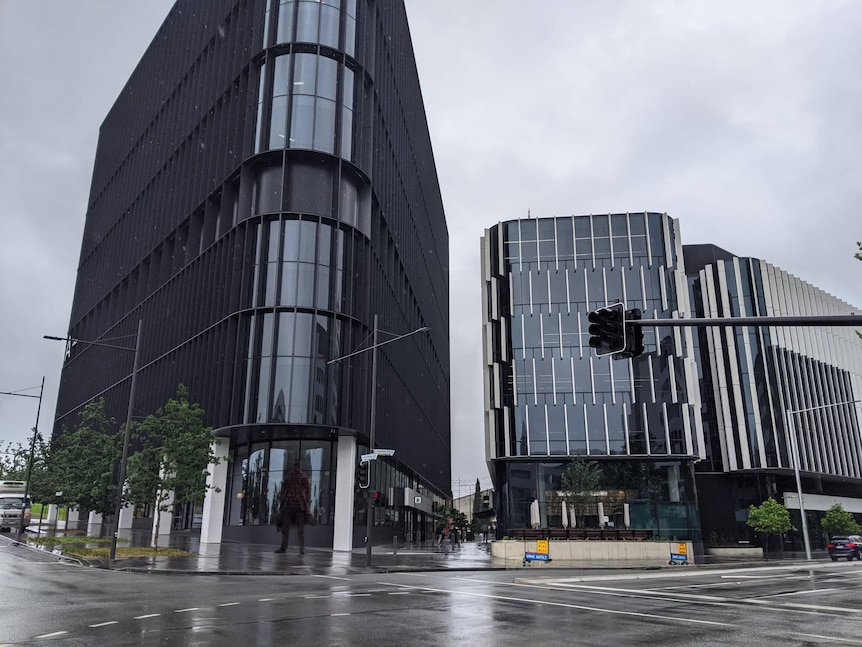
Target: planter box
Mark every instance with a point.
(657, 552)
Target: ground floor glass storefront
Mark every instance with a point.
(256, 473)
(260, 457)
(653, 495)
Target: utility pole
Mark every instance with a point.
(32, 451)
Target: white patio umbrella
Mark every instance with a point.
(565, 515)
(535, 521)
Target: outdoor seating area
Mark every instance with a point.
(608, 534)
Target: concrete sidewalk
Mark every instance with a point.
(232, 558)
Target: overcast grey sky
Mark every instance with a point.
(742, 118)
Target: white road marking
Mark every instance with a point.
(316, 597)
(645, 593)
(701, 599)
(834, 638)
(229, 604)
(149, 615)
(267, 599)
(339, 614)
(333, 577)
(357, 595)
(565, 605)
(104, 624)
(798, 605)
(53, 635)
(186, 610)
(813, 591)
(399, 593)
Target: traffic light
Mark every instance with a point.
(608, 329)
(634, 335)
(376, 499)
(362, 475)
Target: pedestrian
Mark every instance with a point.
(294, 502)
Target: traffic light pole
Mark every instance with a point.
(369, 509)
(369, 504)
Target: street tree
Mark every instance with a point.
(81, 463)
(477, 498)
(837, 521)
(13, 462)
(580, 484)
(175, 451)
(770, 517)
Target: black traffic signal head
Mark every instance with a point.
(634, 334)
(608, 329)
(362, 475)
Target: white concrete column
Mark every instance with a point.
(601, 510)
(126, 515)
(94, 524)
(72, 517)
(52, 514)
(345, 481)
(214, 499)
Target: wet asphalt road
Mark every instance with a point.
(43, 602)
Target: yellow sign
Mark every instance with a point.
(542, 546)
(680, 549)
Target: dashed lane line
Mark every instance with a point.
(148, 615)
(186, 610)
(229, 604)
(52, 635)
(104, 624)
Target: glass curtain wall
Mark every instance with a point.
(258, 468)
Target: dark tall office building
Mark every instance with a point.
(264, 187)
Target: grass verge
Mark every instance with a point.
(82, 546)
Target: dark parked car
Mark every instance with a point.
(849, 547)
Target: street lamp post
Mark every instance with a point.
(32, 451)
(121, 471)
(369, 525)
(796, 464)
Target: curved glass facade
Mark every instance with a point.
(306, 85)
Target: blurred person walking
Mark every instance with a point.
(293, 506)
